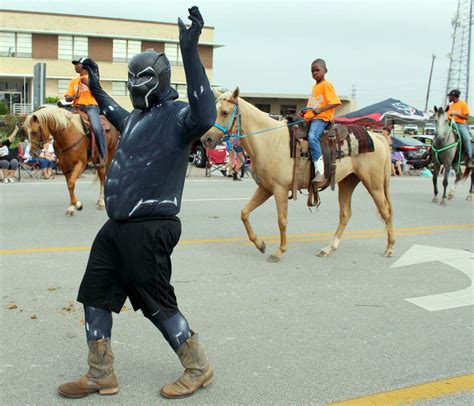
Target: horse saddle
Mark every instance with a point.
(332, 137)
(87, 124)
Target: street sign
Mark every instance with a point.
(39, 84)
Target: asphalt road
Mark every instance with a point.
(307, 330)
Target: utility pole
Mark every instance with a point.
(429, 82)
(460, 55)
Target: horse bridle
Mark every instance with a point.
(42, 142)
(235, 116)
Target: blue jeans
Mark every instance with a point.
(466, 138)
(93, 113)
(43, 162)
(316, 129)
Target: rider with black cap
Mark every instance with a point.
(130, 256)
(79, 94)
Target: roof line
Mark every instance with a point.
(94, 17)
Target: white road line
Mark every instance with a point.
(219, 199)
(85, 182)
(459, 259)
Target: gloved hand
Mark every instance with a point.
(189, 37)
(93, 70)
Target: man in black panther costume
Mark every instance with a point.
(130, 256)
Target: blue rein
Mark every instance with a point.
(228, 135)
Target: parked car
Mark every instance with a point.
(410, 129)
(430, 129)
(198, 154)
(415, 152)
(426, 139)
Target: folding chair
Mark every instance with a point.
(32, 169)
(216, 160)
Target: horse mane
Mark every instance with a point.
(56, 119)
(228, 94)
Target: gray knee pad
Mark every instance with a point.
(98, 323)
(175, 329)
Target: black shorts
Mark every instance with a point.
(132, 259)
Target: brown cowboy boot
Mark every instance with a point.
(197, 371)
(100, 378)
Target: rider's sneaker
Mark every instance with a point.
(470, 163)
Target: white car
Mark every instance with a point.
(410, 129)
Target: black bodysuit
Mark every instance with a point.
(130, 256)
(147, 174)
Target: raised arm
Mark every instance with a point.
(12, 136)
(116, 114)
(202, 114)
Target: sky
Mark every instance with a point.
(375, 48)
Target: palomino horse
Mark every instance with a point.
(273, 167)
(71, 145)
(447, 152)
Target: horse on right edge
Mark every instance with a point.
(447, 152)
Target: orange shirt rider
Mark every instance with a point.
(78, 90)
(459, 107)
(322, 95)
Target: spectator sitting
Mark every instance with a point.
(397, 163)
(386, 131)
(8, 162)
(46, 165)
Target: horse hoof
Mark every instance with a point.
(262, 248)
(100, 207)
(435, 200)
(450, 196)
(388, 253)
(469, 198)
(79, 206)
(69, 213)
(273, 258)
(443, 203)
(323, 253)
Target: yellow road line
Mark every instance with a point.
(345, 237)
(404, 396)
(303, 237)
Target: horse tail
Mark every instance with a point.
(466, 173)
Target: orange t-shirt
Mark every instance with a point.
(85, 95)
(322, 95)
(460, 107)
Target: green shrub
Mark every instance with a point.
(52, 99)
(4, 108)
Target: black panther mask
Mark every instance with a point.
(149, 76)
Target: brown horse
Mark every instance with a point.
(71, 145)
(273, 168)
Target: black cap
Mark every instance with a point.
(79, 60)
(455, 93)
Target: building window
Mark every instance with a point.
(119, 88)
(124, 50)
(173, 53)
(286, 109)
(263, 107)
(182, 90)
(15, 44)
(72, 47)
(63, 84)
